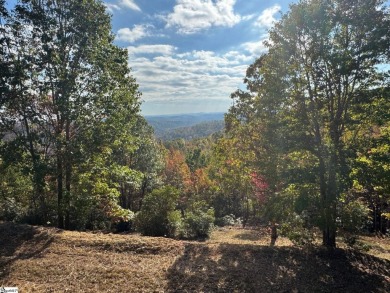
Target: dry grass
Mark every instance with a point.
(237, 235)
(379, 246)
(51, 260)
(39, 259)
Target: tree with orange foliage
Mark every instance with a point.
(177, 173)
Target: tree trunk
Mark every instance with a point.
(274, 233)
(60, 212)
(68, 176)
(329, 232)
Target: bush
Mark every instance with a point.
(354, 215)
(125, 225)
(175, 224)
(198, 221)
(228, 220)
(157, 216)
(297, 231)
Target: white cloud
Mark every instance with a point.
(192, 16)
(190, 76)
(131, 35)
(248, 17)
(111, 7)
(238, 57)
(256, 48)
(267, 17)
(130, 4)
(151, 49)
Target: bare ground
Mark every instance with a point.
(37, 259)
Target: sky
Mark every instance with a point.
(188, 56)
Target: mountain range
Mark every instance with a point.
(186, 126)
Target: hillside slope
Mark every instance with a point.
(37, 259)
(199, 130)
(187, 126)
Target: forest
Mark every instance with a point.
(305, 148)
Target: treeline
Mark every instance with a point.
(305, 147)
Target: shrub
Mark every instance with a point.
(227, 220)
(354, 214)
(297, 231)
(353, 217)
(198, 221)
(126, 224)
(157, 216)
(175, 224)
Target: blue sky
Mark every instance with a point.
(190, 55)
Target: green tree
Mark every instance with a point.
(195, 159)
(20, 123)
(231, 172)
(256, 132)
(371, 175)
(369, 137)
(147, 159)
(325, 54)
(69, 94)
(15, 189)
(322, 57)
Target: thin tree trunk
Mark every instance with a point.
(326, 233)
(329, 235)
(60, 192)
(274, 233)
(68, 176)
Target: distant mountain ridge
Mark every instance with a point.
(187, 126)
